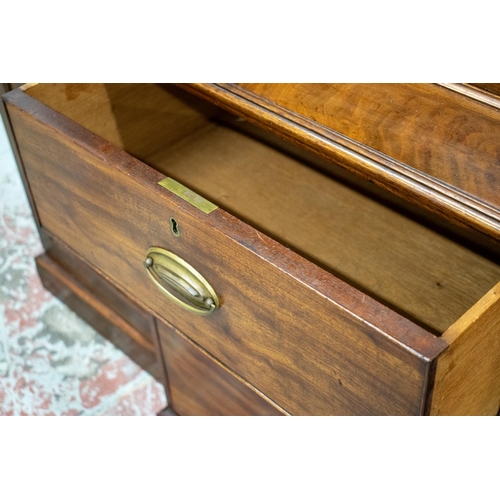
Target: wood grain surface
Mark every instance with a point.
(430, 145)
(139, 118)
(474, 92)
(311, 343)
(199, 385)
(6, 87)
(467, 378)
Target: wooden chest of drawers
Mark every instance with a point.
(334, 246)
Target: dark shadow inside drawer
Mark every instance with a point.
(414, 262)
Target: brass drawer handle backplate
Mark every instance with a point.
(180, 282)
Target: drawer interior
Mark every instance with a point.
(414, 262)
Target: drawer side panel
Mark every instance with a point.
(467, 378)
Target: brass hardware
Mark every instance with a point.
(174, 226)
(180, 282)
(186, 194)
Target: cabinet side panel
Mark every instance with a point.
(4, 87)
(468, 373)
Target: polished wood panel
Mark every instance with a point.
(6, 87)
(467, 378)
(311, 343)
(474, 92)
(443, 157)
(103, 319)
(199, 385)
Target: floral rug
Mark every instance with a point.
(52, 362)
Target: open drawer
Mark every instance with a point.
(333, 296)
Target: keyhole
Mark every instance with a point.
(175, 227)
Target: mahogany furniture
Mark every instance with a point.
(269, 249)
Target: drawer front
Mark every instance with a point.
(200, 386)
(311, 343)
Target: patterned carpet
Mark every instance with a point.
(51, 362)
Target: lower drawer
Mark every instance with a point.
(102, 289)
(108, 320)
(199, 385)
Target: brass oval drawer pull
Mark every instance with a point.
(180, 282)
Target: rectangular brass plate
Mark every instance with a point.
(186, 194)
